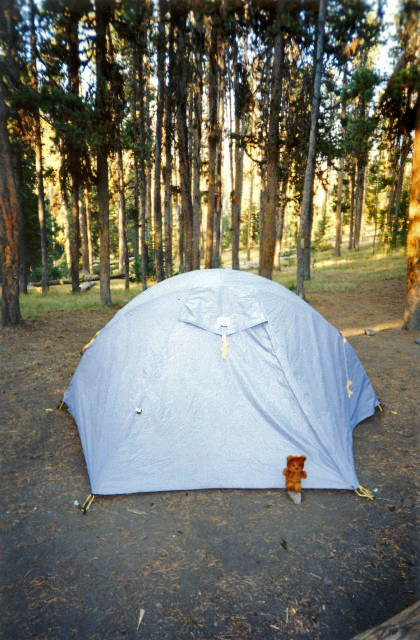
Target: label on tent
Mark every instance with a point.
(223, 321)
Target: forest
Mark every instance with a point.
(141, 138)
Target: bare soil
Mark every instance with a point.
(204, 564)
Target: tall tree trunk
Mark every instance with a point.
(212, 140)
(74, 148)
(282, 211)
(338, 211)
(401, 170)
(84, 231)
(66, 219)
(88, 228)
(158, 241)
(219, 158)
(23, 252)
(352, 201)
(412, 298)
(9, 225)
(169, 97)
(250, 216)
(239, 157)
(268, 231)
(184, 158)
(304, 223)
(142, 158)
(124, 262)
(103, 11)
(360, 184)
(37, 139)
(197, 103)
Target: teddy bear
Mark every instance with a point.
(294, 473)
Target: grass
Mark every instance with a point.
(328, 273)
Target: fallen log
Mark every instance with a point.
(403, 626)
(88, 278)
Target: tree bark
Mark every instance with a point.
(9, 225)
(412, 297)
(268, 231)
(219, 157)
(197, 132)
(170, 93)
(184, 157)
(352, 199)
(74, 148)
(401, 171)
(88, 228)
(212, 141)
(84, 232)
(37, 142)
(250, 217)
(158, 241)
(304, 223)
(338, 211)
(103, 11)
(123, 257)
(360, 185)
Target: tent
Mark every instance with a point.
(211, 379)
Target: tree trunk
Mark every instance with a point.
(9, 225)
(170, 94)
(84, 232)
(360, 183)
(88, 228)
(74, 148)
(66, 220)
(268, 231)
(23, 267)
(103, 10)
(37, 139)
(219, 158)
(123, 257)
(282, 212)
(403, 626)
(197, 102)
(184, 158)
(158, 242)
(250, 217)
(338, 211)
(412, 298)
(304, 224)
(352, 200)
(212, 141)
(401, 170)
(142, 161)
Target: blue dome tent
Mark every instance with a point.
(211, 379)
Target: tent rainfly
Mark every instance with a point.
(211, 379)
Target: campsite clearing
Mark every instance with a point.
(223, 564)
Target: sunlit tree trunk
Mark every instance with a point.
(250, 216)
(412, 298)
(212, 141)
(303, 245)
(219, 158)
(401, 171)
(352, 200)
(338, 211)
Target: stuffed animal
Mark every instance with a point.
(294, 472)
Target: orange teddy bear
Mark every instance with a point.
(294, 472)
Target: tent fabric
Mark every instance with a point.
(210, 379)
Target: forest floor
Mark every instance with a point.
(204, 564)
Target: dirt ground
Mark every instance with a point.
(204, 564)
